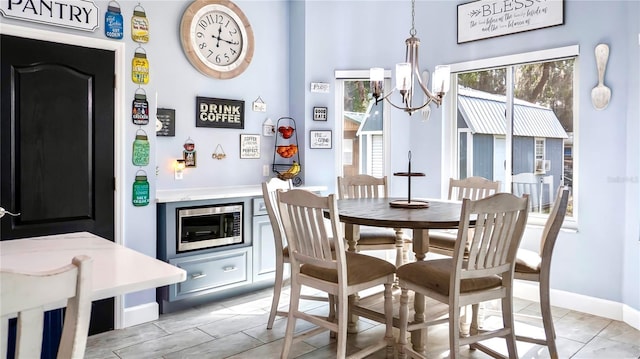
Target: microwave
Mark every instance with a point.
(209, 227)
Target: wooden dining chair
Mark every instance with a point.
(337, 272)
(485, 273)
(269, 189)
(474, 188)
(374, 238)
(536, 267)
(28, 295)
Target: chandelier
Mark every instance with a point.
(407, 73)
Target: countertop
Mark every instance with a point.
(195, 194)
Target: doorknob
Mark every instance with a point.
(4, 211)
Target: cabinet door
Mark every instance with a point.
(264, 253)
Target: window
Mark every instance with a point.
(364, 144)
(514, 122)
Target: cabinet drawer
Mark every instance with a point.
(208, 272)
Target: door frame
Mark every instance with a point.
(119, 112)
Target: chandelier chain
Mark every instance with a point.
(413, 31)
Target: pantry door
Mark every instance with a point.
(57, 142)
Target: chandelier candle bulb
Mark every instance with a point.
(403, 76)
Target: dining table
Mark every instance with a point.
(117, 270)
(379, 212)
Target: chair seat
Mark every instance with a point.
(362, 269)
(436, 274)
(528, 261)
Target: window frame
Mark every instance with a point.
(450, 133)
(340, 76)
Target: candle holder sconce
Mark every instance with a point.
(409, 203)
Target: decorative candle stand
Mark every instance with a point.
(409, 203)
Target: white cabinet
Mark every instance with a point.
(264, 253)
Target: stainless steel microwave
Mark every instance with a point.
(209, 226)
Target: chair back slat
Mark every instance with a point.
(269, 190)
(493, 239)
(473, 188)
(304, 222)
(552, 227)
(362, 186)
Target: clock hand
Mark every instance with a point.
(225, 40)
(219, 33)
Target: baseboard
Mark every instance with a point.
(140, 314)
(581, 303)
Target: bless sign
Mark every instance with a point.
(219, 113)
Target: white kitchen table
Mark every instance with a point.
(116, 269)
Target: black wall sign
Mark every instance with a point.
(219, 113)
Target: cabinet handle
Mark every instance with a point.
(198, 275)
(229, 269)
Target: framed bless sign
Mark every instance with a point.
(483, 19)
(219, 113)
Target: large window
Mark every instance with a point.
(513, 121)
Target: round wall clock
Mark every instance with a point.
(217, 38)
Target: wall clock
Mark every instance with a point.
(217, 38)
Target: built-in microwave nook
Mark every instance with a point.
(221, 237)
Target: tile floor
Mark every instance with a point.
(236, 329)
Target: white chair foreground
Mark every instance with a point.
(316, 263)
(28, 295)
(485, 273)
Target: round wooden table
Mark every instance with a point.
(377, 212)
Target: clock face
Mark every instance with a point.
(217, 38)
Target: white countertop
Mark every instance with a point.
(195, 194)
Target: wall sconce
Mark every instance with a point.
(179, 167)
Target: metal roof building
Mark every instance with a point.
(484, 113)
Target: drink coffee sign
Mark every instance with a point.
(219, 113)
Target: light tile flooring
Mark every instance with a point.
(236, 328)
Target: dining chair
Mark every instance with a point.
(374, 238)
(536, 267)
(28, 295)
(337, 272)
(269, 189)
(485, 273)
(443, 241)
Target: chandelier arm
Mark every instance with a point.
(411, 109)
(426, 91)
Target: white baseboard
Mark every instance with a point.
(140, 314)
(581, 303)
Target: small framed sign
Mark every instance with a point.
(483, 19)
(319, 113)
(249, 146)
(320, 139)
(219, 113)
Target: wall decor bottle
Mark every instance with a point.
(113, 22)
(140, 108)
(139, 25)
(140, 67)
(140, 189)
(141, 149)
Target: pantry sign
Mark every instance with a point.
(75, 14)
